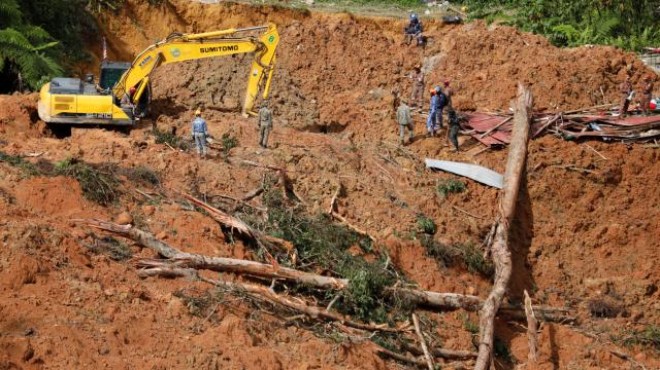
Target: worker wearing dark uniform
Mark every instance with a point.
(626, 91)
(647, 94)
(454, 127)
(413, 29)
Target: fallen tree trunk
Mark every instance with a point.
(178, 259)
(500, 250)
(267, 294)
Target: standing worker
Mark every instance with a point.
(265, 124)
(626, 96)
(417, 96)
(449, 92)
(441, 103)
(433, 113)
(647, 94)
(199, 133)
(454, 127)
(404, 119)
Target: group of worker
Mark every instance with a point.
(627, 94)
(440, 99)
(200, 129)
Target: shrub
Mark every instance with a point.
(450, 186)
(142, 174)
(426, 225)
(169, 138)
(28, 168)
(98, 184)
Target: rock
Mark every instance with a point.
(124, 218)
(148, 210)
(309, 2)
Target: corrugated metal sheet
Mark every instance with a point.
(472, 171)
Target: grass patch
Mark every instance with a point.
(111, 247)
(26, 167)
(465, 254)
(169, 138)
(426, 225)
(450, 186)
(229, 142)
(648, 337)
(99, 185)
(143, 175)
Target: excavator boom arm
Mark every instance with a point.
(184, 47)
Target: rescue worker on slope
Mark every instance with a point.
(626, 95)
(441, 104)
(414, 29)
(265, 121)
(404, 119)
(433, 113)
(417, 96)
(647, 94)
(454, 127)
(449, 92)
(199, 133)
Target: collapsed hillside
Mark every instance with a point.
(587, 241)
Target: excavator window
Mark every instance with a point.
(111, 72)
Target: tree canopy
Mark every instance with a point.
(629, 24)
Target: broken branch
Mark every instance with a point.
(422, 342)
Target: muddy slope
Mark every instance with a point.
(581, 236)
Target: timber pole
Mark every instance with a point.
(515, 169)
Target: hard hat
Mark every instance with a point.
(413, 16)
(432, 91)
(438, 89)
(132, 90)
(198, 112)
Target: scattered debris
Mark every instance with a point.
(494, 130)
(472, 171)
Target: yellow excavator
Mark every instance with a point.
(123, 92)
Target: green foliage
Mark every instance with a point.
(649, 337)
(143, 175)
(28, 168)
(228, 143)
(325, 247)
(450, 186)
(466, 254)
(426, 225)
(30, 59)
(98, 184)
(164, 137)
(629, 24)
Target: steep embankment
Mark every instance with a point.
(583, 238)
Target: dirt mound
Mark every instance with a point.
(585, 238)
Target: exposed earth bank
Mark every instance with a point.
(586, 234)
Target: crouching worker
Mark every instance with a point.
(199, 133)
(404, 119)
(414, 30)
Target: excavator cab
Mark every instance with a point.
(111, 72)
